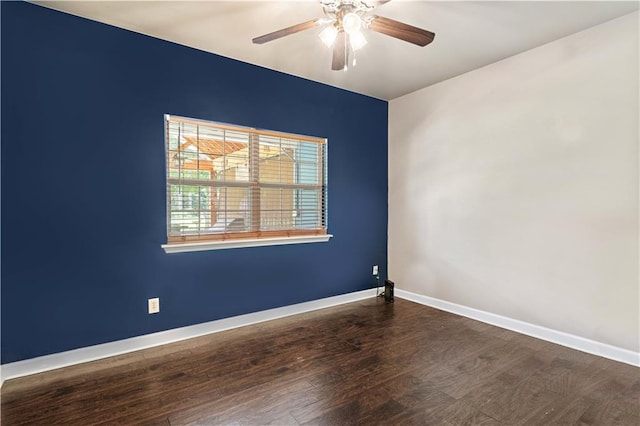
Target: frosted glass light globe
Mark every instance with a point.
(328, 35)
(351, 22)
(357, 40)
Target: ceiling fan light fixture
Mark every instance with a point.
(351, 22)
(328, 35)
(343, 24)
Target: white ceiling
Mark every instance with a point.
(469, 35)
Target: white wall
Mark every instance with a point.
(513, 189)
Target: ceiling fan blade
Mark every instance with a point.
(286, 31)
(340, 51)
(401, 30)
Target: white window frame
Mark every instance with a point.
(205, 241)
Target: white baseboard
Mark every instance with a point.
(561, 338)
(105, 350)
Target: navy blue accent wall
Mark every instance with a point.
(83, 192)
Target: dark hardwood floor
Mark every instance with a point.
(361, 363)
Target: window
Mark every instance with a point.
(227, 184)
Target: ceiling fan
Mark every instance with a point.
(344, 20)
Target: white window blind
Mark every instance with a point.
(232, 182)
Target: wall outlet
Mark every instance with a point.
(154, 305)
(375, 269)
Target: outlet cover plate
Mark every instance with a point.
(154, 305)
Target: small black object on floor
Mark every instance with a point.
(388, 291)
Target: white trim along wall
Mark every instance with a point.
(554, 336)
(92, 353)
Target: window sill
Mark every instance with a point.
(253, 242)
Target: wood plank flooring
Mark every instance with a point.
(362, 363)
